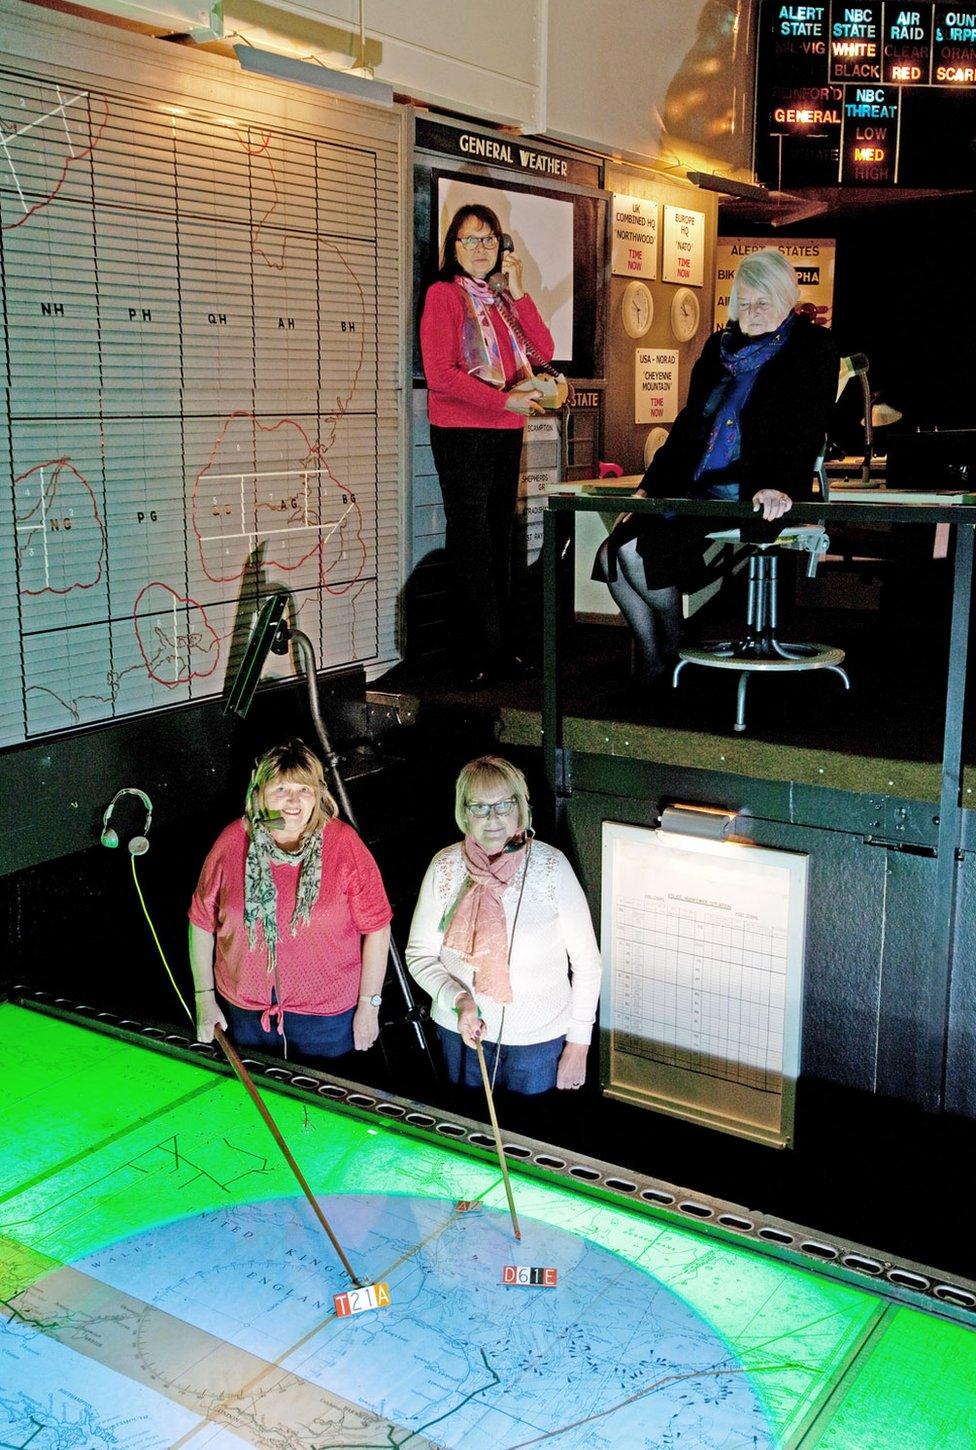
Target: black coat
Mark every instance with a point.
(782, 431)
(783, 423)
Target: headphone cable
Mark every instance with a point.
(162, 954)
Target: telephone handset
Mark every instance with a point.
(548, 384)
(498, 281)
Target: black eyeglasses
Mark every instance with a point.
(470, 244)
(483, 809)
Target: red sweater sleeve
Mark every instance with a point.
(365, 893)
(205, 904)
(440, 347)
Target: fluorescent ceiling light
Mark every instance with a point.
(306, 73)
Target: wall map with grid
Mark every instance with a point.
(194, 380)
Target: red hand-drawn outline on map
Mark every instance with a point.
(203, 640)
(279, 264)
(71, 159)
(309, 458)
(63, 476)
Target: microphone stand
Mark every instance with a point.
(284, 636)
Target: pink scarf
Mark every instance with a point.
(476, 927)
(479, 343)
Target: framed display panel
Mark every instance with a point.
(559, 232)
(703, 944)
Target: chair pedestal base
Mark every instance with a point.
(749, 657)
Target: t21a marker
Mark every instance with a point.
(357, 1301)
(524, 1277)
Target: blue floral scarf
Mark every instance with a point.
(723, 410)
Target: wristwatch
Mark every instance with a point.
(374, 1001)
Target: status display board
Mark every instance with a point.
(199, 358)
(875, 94)
(702, 978)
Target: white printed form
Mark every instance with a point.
(703, 965)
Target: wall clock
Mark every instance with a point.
(637, 309)
(685, 314)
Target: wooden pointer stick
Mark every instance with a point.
(230, 1052)
(498, 1140)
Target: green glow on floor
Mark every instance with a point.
(101, 1140)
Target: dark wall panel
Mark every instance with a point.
(870, 912)
(961, 1057)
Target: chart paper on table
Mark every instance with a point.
(703, 972)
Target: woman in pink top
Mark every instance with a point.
(289, 924)
(478, 335)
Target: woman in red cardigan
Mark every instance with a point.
(478, 334)
(289, 924)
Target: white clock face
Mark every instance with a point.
(685, 314)
(637, 309)
(652, 443)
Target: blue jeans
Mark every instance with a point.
(530, 1069)
(306, 1035)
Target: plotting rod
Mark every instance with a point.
(230, 1052)
(498, 1141)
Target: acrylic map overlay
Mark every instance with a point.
(190, 354)
(161, 1285)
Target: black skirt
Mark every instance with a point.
(673, 549)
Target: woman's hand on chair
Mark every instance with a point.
(773, 502)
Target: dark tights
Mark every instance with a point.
(654, 615)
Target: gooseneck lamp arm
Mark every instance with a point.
(859, 366)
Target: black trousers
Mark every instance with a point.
(478, 469)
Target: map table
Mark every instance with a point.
(162, 1285)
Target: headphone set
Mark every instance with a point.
(138, 845)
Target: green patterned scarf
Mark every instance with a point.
(261, 896)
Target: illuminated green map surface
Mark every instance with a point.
(162, 1285)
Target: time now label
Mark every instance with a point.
(529, 1278)
(357, 1301)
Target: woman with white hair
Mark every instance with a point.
(758, 404)
(502, 942)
